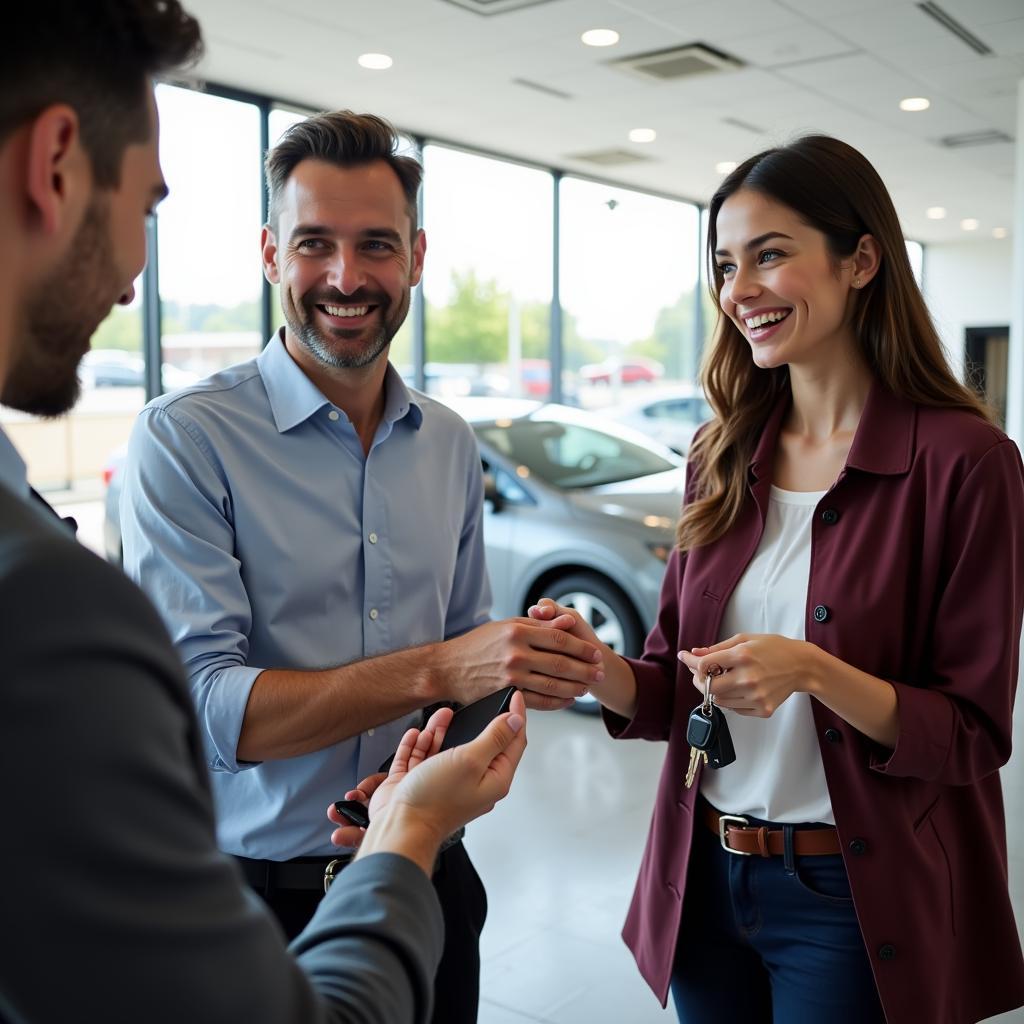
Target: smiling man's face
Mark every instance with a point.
(346, 257)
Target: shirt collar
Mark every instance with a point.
(13, 474)
(294, 398)
(883, 443)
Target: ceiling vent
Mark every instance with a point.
(489, 7)
(610, 157)
(982, 138)
(950, 24)
(744, 125)
(548, 90)
(679, 62)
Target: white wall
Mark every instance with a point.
(968, 284)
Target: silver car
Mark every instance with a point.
(577, 509)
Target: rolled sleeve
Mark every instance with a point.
(956, 726)
(178, 537)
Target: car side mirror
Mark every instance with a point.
(492, 494)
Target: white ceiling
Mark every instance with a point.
(839, 66)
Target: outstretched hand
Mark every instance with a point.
(435, 793)
(415, 746)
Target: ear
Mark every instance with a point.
(866, 260)
(419, 251)
(58, 175)
(268, 247)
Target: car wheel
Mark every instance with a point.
(606, 610)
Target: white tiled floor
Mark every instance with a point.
(559, 858)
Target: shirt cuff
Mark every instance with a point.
(224, 695)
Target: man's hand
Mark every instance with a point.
(428, 795)
(424, 743)
(544, 659)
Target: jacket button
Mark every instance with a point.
(833, 735)
(887, 952)
(858, 846)
(830, 517)
(821, 613)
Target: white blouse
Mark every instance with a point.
(777, 774)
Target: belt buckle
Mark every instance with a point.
(723, 821)
(329, 871)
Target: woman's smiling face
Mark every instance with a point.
(781, 286)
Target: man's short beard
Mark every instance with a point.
(58, 319)
(313, 342)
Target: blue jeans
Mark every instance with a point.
(769, 939)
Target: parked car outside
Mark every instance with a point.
(576, 509)
(669, 416)
(634, 371)
(116, 368)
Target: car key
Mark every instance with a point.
(707, 732)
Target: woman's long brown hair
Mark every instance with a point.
(834, 189)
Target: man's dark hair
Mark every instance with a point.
(97, 56)
(344, 139)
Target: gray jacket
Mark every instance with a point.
(116, 904)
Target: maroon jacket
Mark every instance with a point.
(917, 576)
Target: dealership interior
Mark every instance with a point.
(569, 150)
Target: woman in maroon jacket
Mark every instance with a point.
(850, 567)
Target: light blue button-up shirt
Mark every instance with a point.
(266, 538)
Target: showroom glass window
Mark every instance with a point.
(628, 275)
(487, 282)
(209, 233)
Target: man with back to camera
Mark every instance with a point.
(305, 510)
(116, 902)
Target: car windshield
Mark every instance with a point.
(567, 455)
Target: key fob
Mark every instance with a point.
(701, 729)
(722, 752)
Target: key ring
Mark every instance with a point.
(705, 708)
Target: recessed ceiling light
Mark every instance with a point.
(969, 224)
(600, 37)
(935, 212)
(999, 232)
(642, 135)
(726, 166)
(375, 61)
(913, 104)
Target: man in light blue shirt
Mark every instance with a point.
(312, 533)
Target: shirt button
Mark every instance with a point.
(833, 735)
(887, 952)
(858, 846)
(333, 415)
(821, 613)
(374, 613)
(830, 517)
(369, 732)
(373, 538)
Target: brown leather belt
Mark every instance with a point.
(738, 836)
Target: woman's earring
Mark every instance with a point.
(856, 282)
